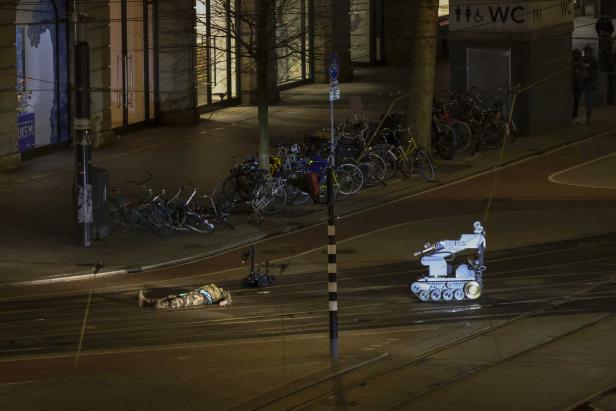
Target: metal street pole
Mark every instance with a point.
(82, 186)
(332, 281)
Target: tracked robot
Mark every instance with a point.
(449, 277)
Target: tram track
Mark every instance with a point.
(252, 327)
(404, 363)
(57, 317)
(114, 317)
(493, 273)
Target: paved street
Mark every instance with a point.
(515, 308)
(540, 338)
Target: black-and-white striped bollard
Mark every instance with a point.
(332, 283)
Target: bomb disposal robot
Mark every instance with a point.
(449, 278)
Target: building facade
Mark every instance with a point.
(151, 61)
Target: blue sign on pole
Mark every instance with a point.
(334, 69)
(334, 66)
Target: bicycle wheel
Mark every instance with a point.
(295, 196)
(464, 135)
(222, 197)
(390, 160)
(356, 176)
(157, 218)
(269, 197)
(373, 168)
(490, 135)
(445, 142)
(404, 164)
(344, 181)
(424, 164)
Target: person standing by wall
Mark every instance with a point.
(590, 81)
(578, 74)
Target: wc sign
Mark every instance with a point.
(515, 16)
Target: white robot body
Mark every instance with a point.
(447, 280)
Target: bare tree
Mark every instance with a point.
(269, 34)
(424, 19)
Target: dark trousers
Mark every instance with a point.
(586, 89)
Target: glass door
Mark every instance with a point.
(131, 61)
(216, 52)
(293, 41)
(366, 31)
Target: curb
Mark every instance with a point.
(285, 229)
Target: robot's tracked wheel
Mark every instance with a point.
(447, 294)
(458, 295)
(415, 288)
(424, 295)
(472, 290)
(435, 295)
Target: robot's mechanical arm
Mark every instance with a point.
(428, 248)
(475, 241)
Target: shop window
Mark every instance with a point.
(293, 40)
(42, 94)
(366, 31)
(216, 68)
(360, 31)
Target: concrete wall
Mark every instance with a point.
(548, 104)
(176, 62)
(538, 59)
(9, 156)
(332, 32)
(397, 31)
(100, 76)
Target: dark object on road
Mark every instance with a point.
(447, 278)
(257, 276)
(203, 295)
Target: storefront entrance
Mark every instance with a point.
(131, 30)
(293, 39)
(217, 71)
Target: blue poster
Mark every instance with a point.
(26, 130)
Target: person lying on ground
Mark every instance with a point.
(205, 294)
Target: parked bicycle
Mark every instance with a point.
(411, 156)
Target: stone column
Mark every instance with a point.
(10, 158)
(398, 31)
(100, 77)
(332, 32)
(248, 76)
(176, 62)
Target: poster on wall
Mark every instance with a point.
(42, 94)
(25, 131)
